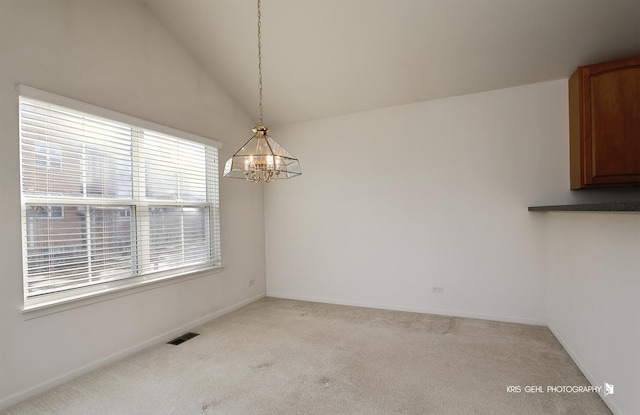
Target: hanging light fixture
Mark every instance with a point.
(261, 158)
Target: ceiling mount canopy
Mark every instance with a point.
(261, 158)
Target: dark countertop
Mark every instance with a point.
(590, 207)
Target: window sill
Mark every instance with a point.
(44, 308)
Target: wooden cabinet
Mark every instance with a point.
(604, 114)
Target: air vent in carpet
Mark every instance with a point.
(183, 338)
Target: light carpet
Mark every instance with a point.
(279, 356)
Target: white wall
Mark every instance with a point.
(594, 297)
(115, 55)
(394, 201)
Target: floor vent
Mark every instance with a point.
(183, 338)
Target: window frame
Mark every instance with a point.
(142, 280)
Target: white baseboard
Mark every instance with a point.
(506, 319)
(585, 371)
(66, 377)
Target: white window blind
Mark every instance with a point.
(106, 201)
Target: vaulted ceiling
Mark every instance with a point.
(329, 57)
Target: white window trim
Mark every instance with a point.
(111, 292)
(38, 94)
(114, 289)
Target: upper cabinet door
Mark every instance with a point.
(604, 112)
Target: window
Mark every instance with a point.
(48, 156)
(109, 200)
(48, 211)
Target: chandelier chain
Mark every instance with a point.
(261, 159)
(259, 66)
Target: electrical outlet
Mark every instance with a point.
(438, 289)
(250, 283)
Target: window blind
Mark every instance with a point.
(105, 201)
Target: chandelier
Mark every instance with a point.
(261, 158)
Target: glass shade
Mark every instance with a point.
(262, 159)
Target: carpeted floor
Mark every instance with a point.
(291, 357)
